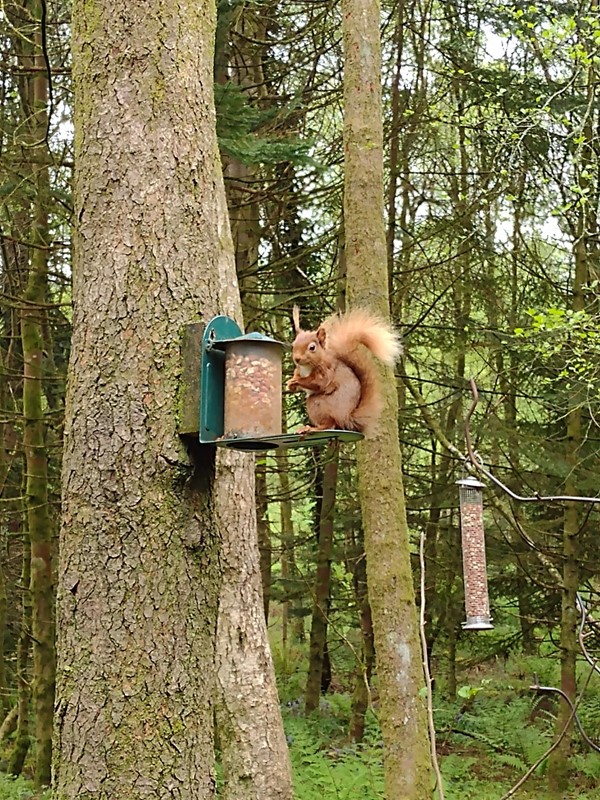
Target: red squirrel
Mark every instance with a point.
(337, 374)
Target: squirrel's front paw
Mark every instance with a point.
(292, 385)
(306, 429)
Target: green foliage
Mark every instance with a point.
(242, 131)
(589, 714)
(487, 738)
(587, 764)
(19, 789)
(565, 343)
(327, 767)
(290, 667)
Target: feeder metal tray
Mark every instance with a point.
(288, 440)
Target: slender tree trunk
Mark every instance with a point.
(360, 697)
(322, 592)
(453, 612)
(290, 578)
(12, 515)
(36, 493)
(264, 534)
(399, 664)
(4, 694)
(526, 617)
(22, 737)
(586, 269)
(27, 16)
(559, 767)
(9, 725)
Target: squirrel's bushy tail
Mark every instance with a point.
(358, 326)
(365, 415)
(344, 335)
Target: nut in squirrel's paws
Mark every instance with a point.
(334, 365)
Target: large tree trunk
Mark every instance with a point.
(141, 572)
(251, 737)
(399, 666)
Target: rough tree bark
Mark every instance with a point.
(252, 741)
(253, 747)
(154, 539)
(399, 666)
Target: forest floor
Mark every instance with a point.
(488, 737)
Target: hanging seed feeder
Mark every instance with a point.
(241, 392)
(477, 604)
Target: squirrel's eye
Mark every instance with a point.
(312, 347)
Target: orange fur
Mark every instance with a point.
(336, 372)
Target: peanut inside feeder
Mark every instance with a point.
(477, 604)
(253, 391)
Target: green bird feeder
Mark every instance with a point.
(241, 392)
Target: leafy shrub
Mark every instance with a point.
(19, 789)
(587, 764)
(324, 767)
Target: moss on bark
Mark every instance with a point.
(391, 594)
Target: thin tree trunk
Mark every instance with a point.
(27, 16)
(264, 534)
(4, 695)
(559, 767)
(9, 724)
(454, 608)
(22, 737)
(526, 615)
(586, 269)
(289, 569)
(322, 590)
(13, 261)
(360, 697)
(395, 622)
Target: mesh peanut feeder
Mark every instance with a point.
(477, 602)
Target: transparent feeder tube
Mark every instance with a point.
(477, 604)
(252, 389)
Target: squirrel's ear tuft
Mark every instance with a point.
(321, 335)
(296, 319)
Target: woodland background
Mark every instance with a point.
(492, 136)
